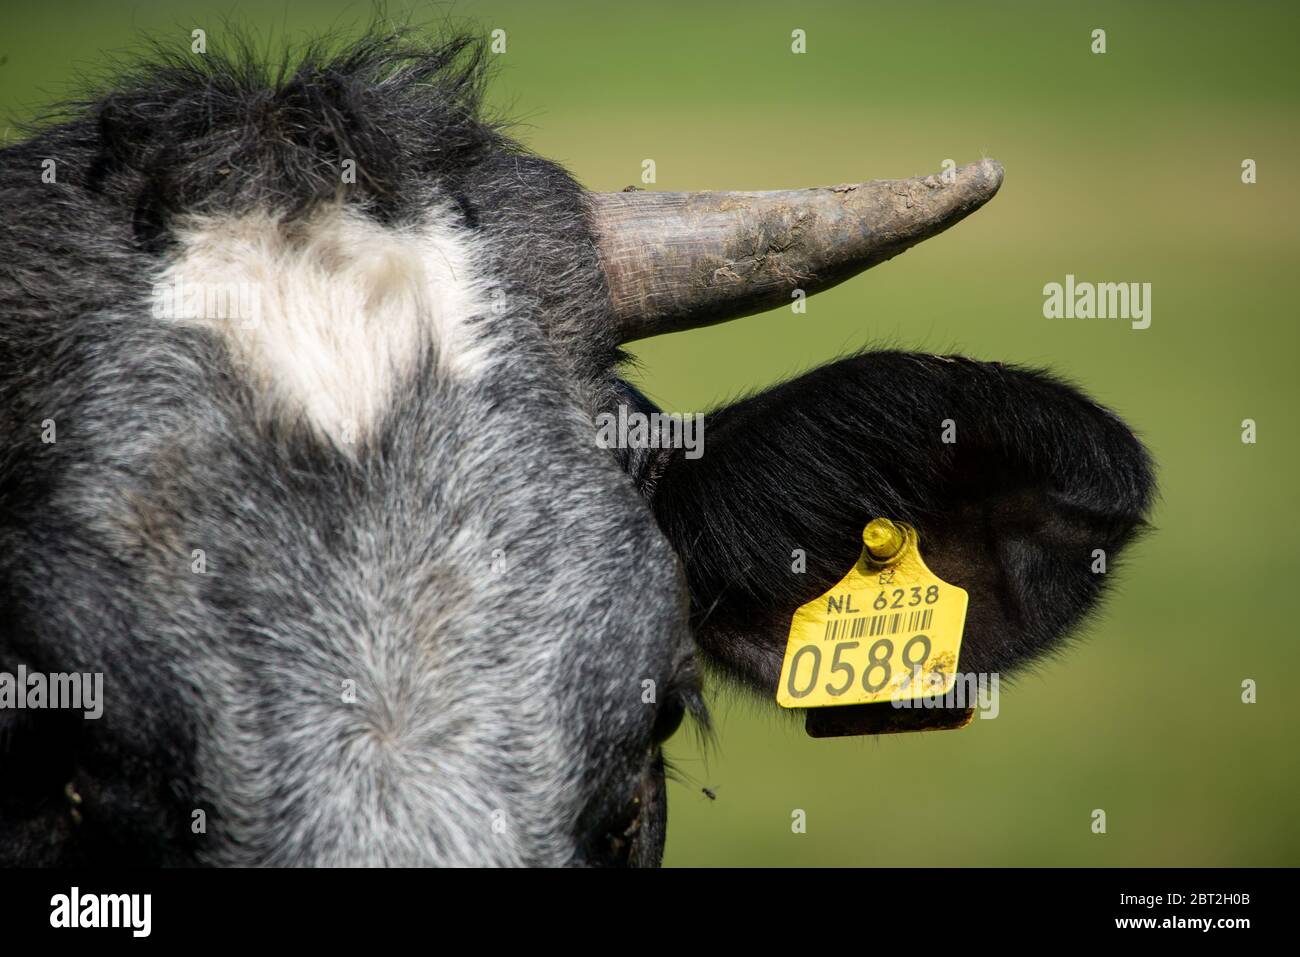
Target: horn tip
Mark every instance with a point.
(990, 173)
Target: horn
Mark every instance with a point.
(675, 261)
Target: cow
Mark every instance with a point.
(361, 583)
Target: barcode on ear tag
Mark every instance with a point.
(889, 632)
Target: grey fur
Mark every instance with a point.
(494, 711)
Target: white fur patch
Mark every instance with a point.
(328, 315)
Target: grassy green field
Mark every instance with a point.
(1124, 166)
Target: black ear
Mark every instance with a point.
(1012, 479)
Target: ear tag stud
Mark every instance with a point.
(882, 645)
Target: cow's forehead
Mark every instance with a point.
(333, 491)
(327, 506)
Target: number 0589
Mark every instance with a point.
(851, 664)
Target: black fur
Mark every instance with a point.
(1039, 476)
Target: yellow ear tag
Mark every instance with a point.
(889, 631)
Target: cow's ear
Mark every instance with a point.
(1021, 488)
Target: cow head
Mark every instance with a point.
(299, 370)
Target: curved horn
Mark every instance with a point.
(679, 260)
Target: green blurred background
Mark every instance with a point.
(1120, 167)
